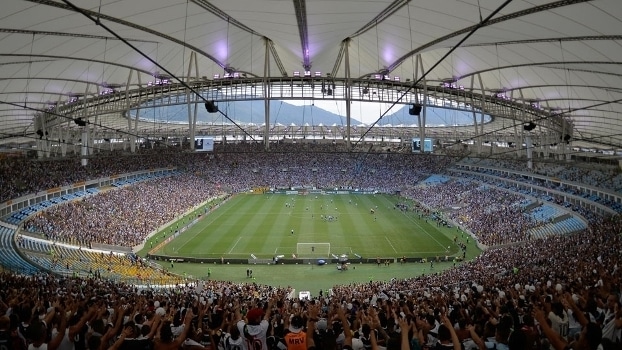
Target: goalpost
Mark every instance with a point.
(313, 250)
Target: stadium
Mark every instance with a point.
(310, 174)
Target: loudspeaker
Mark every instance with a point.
(79, 122)
(415, 109)
(211, 107)
(529, 127)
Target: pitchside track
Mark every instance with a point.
(324, 225)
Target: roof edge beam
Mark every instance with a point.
(73, 35)
(300, 7)
(514, 15)
(209, 7)
(383, 15)
(101, 16)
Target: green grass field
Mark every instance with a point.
(262, 224)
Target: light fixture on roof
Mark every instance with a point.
(79, 122)
(296, 73)
(529, 127)
(51, 105)
(318, 74)
(211, 107)
(449, 83)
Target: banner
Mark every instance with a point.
(203, 144)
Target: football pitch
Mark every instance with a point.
(265, 226)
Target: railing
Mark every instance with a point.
(306, 88)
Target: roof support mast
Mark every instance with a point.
(301, 17)
(526, 136)
(479, 132)
(192, 118)
(421, 116)
(347, 92)
(128, 103)
(515, 128)
(133, 132)
(266, 96)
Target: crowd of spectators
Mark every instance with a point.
(494, 215)
(597, 175)
(549, 183)
(534, 295)
(124, 216)
(21, 176)
(537, 295)
(128, 215)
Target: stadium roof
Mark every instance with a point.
(565, 56)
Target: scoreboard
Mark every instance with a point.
(203, 144)
(427, 145)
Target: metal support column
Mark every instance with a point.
(196, 105)
(516, 140)
(191, 100)
(480, 132)
(529, 145)
(347, 93)
(134, 131)
(64, 138)
(522, 128)
(128, 104)
(266, 96)
(421, 118)
(475, 142)
(189, 103)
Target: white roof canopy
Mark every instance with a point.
(567, 55)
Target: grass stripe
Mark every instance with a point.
(261, 225)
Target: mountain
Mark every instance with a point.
(244, 112)
(281, 112)
(434, 117)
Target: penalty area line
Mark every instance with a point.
(236, 243)
(391, 244)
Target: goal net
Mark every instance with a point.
(313, 250)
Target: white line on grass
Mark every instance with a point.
(236, 243)
(416, 223)
(209, 219)
(391, 244)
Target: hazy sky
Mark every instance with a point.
(367, 112)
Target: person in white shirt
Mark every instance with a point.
(255, 329)
(559, 319)
(612, 325)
